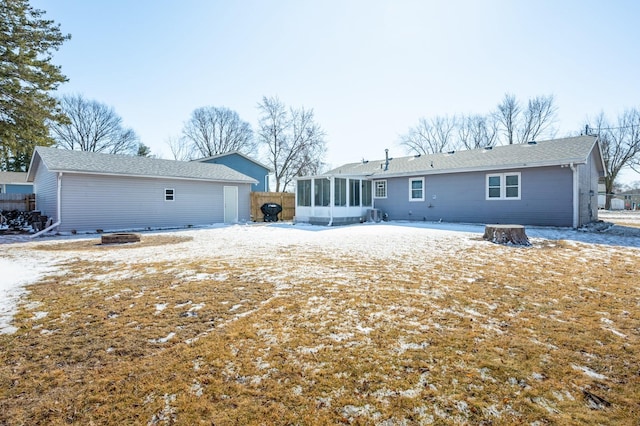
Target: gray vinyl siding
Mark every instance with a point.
(546, 198)
(92, 202)
(45, 186)
(588, 191)
(244, 202)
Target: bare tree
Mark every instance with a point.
(93, 126)
(620, 144)
(217, 130)
(538, 119)
(507, 115)
(181, 149)
(430, 136)
(477, 131)
(294, 141)
(520, 125)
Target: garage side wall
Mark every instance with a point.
(45, 186)
(110, 203)
(588, 176)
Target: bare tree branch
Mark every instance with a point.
(477, 131)
(538, 119)
(181, 149)
(217, 130)
(507, 115)
(620, 145)
(430, 136)
(295, 142)
(92, 126)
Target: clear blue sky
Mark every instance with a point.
(369, 69)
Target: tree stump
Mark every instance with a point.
(120, 238)
(506, 234)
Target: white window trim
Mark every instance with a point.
(386, 188)
(503, 186)
(173, 194)
(411, 180)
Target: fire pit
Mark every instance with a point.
(120, 237)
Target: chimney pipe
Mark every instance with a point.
(386, 162)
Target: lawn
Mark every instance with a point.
(382, 324)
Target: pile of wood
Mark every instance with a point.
(16, 221)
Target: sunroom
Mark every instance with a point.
(333, 200)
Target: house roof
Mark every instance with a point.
(227, 154)
(574, 150)
(67, 161)
(13, 178)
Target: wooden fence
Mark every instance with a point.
(286, 199)
(20, 202)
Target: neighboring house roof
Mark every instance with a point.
(13, 178)
(67, 161)
(574, 150)
(226, 154)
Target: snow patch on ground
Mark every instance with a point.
(20, 265)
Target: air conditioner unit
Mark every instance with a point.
(374, 215)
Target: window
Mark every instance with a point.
(304, 193)
(354, 192)
(169, 194)
(380, 188)
(340, 198)
(503, 186)
(416, 189)
(366, 193)
(322, 190)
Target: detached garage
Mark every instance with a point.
(86, 191)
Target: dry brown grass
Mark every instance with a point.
(482, 335)
(145, 241)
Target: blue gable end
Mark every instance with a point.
(18, 189)
(245, 166)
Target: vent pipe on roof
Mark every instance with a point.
(386, 162)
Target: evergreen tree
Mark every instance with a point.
(27, 77)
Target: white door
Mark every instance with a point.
(230, 204)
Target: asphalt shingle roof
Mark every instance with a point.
(13, 177)
(61, 160)
(544, 153)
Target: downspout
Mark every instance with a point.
(58, 210)
(576, 196)
(332, 188)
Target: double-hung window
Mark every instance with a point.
(169, 194)
(416, 189)
(503, 186)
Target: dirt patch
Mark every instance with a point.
(145, 241)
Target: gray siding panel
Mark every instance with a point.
(45, 186)
(588, 191)
(91, 202)
(460, 197)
